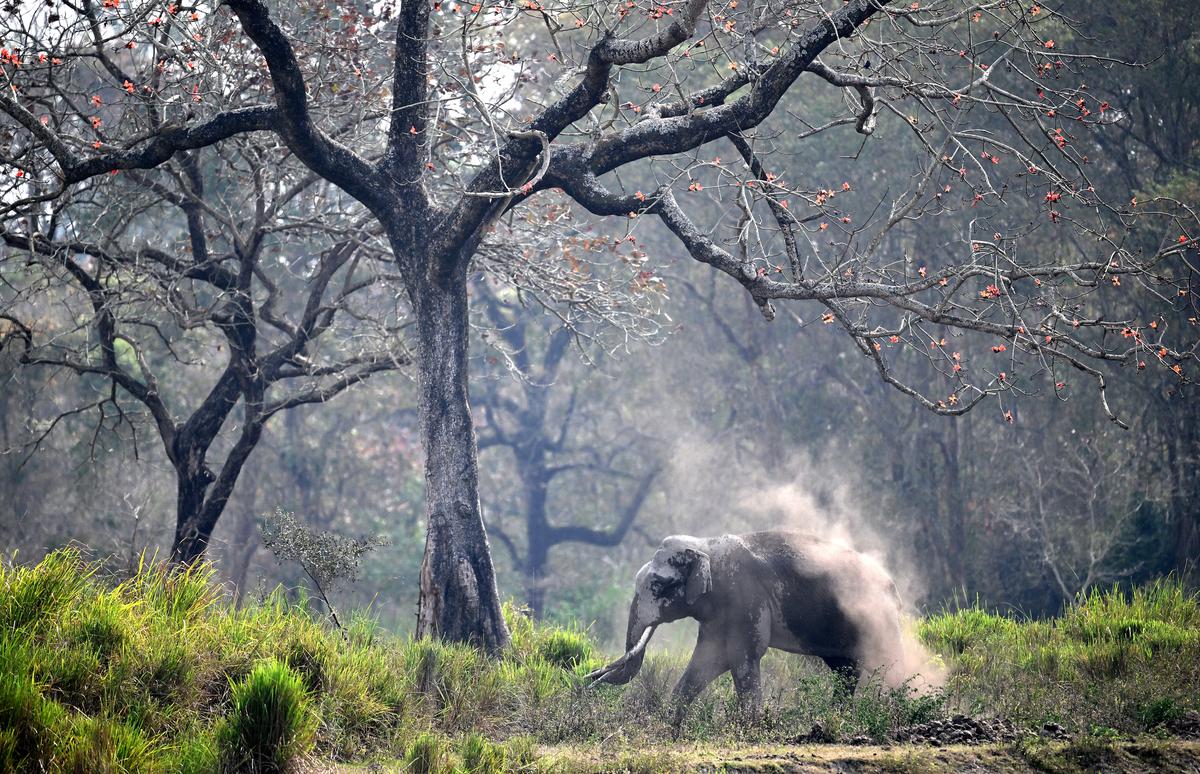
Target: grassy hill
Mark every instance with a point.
(158, 672)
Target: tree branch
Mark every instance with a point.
(328, 158)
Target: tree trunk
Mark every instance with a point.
(951, 503)
(1183, 505)
(191, 532)
(537, 538)
(458, 596)
(202, 497)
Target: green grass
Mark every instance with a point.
(271, 724)
(159, 673)
(1114, 659)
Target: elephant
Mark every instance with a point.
(776, 589)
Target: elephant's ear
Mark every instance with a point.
(699, 580)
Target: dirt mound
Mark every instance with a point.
(961, 729)
(1187, 726)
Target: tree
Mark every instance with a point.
(252, 277)
(544, 436)
(1157, 152)
(478, 113)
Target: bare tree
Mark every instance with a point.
(178, 275)
(484, 108)
(1077, 509)
(545, 440)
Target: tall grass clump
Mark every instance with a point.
(429, 754)
(33, 597)
(27, 724)
(1115, 658)
(271, 724)
(479, 756)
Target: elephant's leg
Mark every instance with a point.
(746, 655)
(707, 664)
(847, 671)
(748, 682)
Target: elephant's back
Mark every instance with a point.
(830, 598)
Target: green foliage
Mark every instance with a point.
(479, 756)
(1096, 665)
(428, 754)
(101, 744)
(954, 632)
(1158, 711)
(198, 754)
(157, 673)
(565, 647)
(33, 597)
(271, 723)
(27, 723)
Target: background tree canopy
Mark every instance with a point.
(922, 277)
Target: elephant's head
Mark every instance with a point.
(667, 588)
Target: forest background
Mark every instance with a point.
(686, 412)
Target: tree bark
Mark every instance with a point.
(535, 480)
(1183, 505)
(458, 598)
(192, 532)
(192, 480)
(202, 497)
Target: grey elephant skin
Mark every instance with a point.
(786, 590)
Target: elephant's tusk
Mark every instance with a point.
(598, 675)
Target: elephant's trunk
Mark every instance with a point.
(627, 666)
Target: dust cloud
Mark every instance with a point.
(713, 493)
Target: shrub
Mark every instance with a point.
(271, 724)
(326, 557)
(1157, 711)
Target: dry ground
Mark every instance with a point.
(1123, 757)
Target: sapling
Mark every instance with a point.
(327, 558)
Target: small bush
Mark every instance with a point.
(327, 558)
(271, 724)
(1158, 711)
